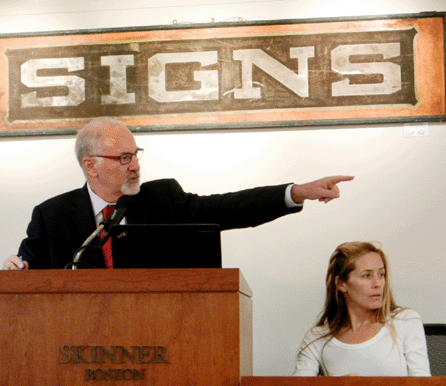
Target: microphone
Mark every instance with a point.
(121, 208)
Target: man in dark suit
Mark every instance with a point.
(108, 155)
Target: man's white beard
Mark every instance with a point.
(131, 188)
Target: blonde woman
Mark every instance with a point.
(362, 331)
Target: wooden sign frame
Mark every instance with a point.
(246, 75)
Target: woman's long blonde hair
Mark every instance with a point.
(335, 314)
(342, 263)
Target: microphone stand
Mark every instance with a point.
(86, 244)
(121, 208)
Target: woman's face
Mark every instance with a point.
(365, 285)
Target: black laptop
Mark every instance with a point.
(166, 246)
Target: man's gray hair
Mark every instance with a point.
(88, 140)
(87, 143)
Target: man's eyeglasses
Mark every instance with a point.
(124, 159)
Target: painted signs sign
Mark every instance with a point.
(249, 75)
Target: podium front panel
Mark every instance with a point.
(179, 334)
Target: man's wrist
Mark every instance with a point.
(289, 202)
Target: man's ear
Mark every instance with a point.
(340, 285)
(89, 164)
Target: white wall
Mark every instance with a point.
(396, 198)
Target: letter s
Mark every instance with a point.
(75, 84)
(391, 72)
(64, 352)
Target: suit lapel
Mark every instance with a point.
(81, 213)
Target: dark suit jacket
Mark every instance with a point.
(61, 224)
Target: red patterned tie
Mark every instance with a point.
(106, 248)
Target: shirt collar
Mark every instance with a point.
(97, 202)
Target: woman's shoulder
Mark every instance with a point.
(407, 320)
(316, 333)
(405, 314)
(315, 339)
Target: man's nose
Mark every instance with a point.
(134, 163)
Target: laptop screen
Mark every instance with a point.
(166, 246)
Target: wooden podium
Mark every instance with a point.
(173, 327)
